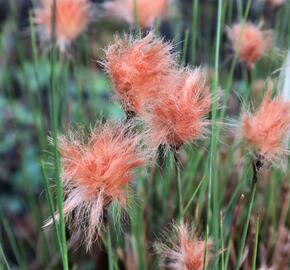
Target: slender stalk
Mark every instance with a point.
(13, 244)
(185, 47)
(3, 256)
(192, 197)
(246, 226)
(54, 125)
(256, 244)
(249, 81)
(110, 252)
(50, 203)
(233, 229)
(39, 122)
(222, 240)
(136, 17)
(213, 145)
(179, 191)
(194, 30)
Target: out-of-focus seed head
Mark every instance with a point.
(71, 19)
(250, 41)
(184, 251)
(147, 11)
(276, 3)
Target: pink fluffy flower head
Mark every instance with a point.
(250, 41)
(266, 129)
(148, 11)
(97, 172)
(276, 3)
(179, 115)
(139, 69)
(184, 251)
(72, 17)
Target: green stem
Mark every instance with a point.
(194, 26)
(246, 226)
(213, 145)
(136, 17)
(256, 244)
(192, 197)
(4, 257)
(179, 190)
(51, 205)
(110, 252)
(185, 46)
(222, 238)
(54, 125)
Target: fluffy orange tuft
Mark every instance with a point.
(185, 251)
(96, 173)
(139, 69)
(72, 17)
(266, 130)
(250, 41)
(179, 115)
(148, 10)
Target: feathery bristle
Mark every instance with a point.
(266, 129)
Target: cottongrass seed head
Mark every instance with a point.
(148, 11)
(97, 172)
(72, 17)
(276, 3)
(139, 69)
(184, 251)
(179, 116)
(250, 41)
(267, 129)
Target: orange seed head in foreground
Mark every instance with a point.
(148, 10)
(266, 129)
(139, 69)
(179, 115)
(72, 17)
(97, 172)
(250, 41)
(184, 251)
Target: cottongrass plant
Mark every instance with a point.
(146, 12)
(250, 42)
(266, 130)
(139, 70)
(182, 250)
(96, 172)
(71, 18)
(179, 116)
(276, 3)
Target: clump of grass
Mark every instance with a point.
(194, 161)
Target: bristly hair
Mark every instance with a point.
(179, 116)
(148, 11)
(139, 68)
(182, 250)
(72, 17)
(97, 172)
(250, 41)
(267, 128)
